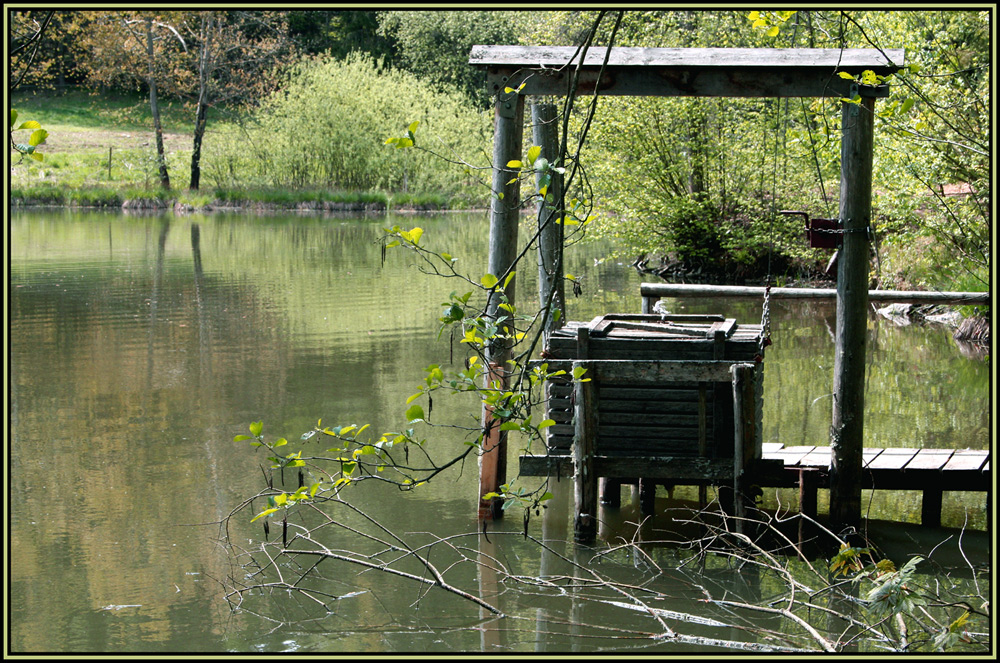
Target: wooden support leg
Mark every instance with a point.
(930, 507)
(584, 445)
(808, 480)
(611, 492)
(647, 496)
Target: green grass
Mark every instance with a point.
(45, 193)
(75, 110)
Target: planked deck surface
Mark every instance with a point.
(896, 468)
(882, 459)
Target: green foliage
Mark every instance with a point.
(35, 139)
(434, 45)
(327, 128)
(770, 21)
(892, 591)
(848, 560)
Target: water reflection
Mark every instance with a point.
(141, 345)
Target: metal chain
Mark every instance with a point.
(841, 231)
(764, 339)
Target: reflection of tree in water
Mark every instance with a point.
(129, 347)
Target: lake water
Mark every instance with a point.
(140, 345)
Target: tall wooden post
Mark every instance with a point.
(550, 233)
(847, 429)
(505, 202)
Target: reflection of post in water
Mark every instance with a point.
(161, 249)
(555, 530)
(491, 636)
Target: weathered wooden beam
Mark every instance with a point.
(847, 426)
(717, 72)
(653, 291)
(682, 470)
(647, 372)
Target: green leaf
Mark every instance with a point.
(415, 413)
(240, 438)
(514, 163)
(256, 427)
(30, 124)
(546, 423)
(414, 397)
(263, 513)
(412, 129)
(844, 74)
(413, 236)
(280, 442)
(578, 372)
(533, 153)
(38, 137)
(907, 105)
(13, 116)
(488, 280)
(510, 425)
(510, 276)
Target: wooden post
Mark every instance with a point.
(847, 429)
(611, 492)
(744, 425)
(808, 479)
(930, 506)
(584, 446)
(550, 233)
(702, 437)
(493, 460)
(504, 207)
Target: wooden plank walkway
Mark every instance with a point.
(900, 460)
(931, 471)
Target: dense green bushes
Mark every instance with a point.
(327, 128)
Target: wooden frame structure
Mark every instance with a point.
(713, 72)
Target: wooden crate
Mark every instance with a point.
(676, 418)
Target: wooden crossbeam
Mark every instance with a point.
(713, 72)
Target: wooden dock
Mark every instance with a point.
(931, 471)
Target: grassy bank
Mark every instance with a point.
(133, 197)
(100, 153)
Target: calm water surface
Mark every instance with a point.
(141, 345)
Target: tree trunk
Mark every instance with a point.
(154, 107)
(201, 113)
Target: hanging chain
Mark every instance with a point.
(764, 339)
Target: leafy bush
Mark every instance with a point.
(327, 126)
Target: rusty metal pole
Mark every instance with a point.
(505, 206)
(847, 429)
